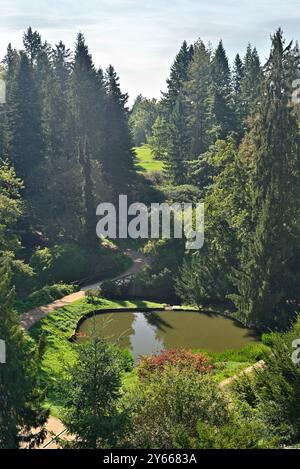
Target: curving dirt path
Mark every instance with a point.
(257, 366)
(31, 317)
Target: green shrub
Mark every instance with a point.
(268, 339)
(164, 409)
(67, 263)
(127, 359)
(93, 296)
(274, 391)
(242, 431)
(182, 194)
(114, 290)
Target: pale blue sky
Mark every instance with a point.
(140, 37)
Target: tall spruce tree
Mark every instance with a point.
(238, 75)
(33, 44)
(250, 86)
(268, 282)
(88, 111)
(25, 120)
(91, 390)
(198, 101)
(88, 99)
(64, 190)
(222, 94)
(118, 157)
(178, 145)
(90, 239)
(178, 75)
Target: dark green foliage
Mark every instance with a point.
(178, 74)
(250, 86)
(118, 158)
(26, 145)
(178, 144)
(268, 278)
(165, 408)
(91, 392)
(182, 194)
(68, 262)
(222, 94)
(90, 237)
(20, 401)
(115, 290)
(273, 392)
(198, 90)
(142, 118)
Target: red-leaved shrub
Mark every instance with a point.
(182, 359)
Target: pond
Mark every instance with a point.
(152, 332)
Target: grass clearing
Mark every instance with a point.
(145, 161)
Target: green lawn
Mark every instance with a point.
(145, 161)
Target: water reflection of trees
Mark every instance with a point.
(115, 327)
(155, 319)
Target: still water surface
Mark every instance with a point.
(148, 333)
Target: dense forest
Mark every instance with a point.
(224, 135)
(230, 138)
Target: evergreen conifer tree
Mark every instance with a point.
(269, 282)
(222, 94)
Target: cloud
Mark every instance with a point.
(141, 37)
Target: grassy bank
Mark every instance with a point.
(145, 161)
(54, 332)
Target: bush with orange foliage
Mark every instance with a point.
(182, 359)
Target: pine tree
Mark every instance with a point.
(238, 75)
(20, 400)
(91, 391)
(269, 283)
(90, 238)
(88, 99)
(178, 75)
(26, 142)
(10, 62)
(61, 198)
(250, 85)
(198, 101)
(222, 94)
(118, 157)
(32, 43)
(178, 145)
